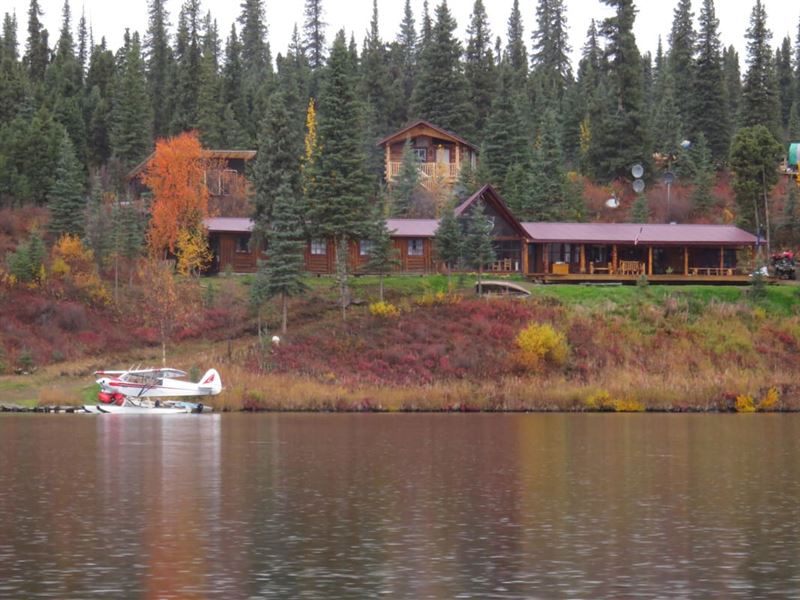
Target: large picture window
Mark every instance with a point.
(415, 247)
(319, 247)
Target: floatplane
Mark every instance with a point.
(142, 391)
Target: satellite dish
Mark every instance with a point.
(637, 171)
(669, 177)
(638, 186)
(612, 202)
(686, 144)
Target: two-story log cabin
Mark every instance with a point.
(440, 154)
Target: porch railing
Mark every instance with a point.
(428, 170)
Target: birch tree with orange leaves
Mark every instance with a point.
(176, 177)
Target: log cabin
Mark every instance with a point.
(568, 252)
(440, 154)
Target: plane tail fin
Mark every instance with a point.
(211, 381)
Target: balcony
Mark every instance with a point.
(429, 172)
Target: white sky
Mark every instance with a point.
(110, 17)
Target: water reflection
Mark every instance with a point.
(412, 506)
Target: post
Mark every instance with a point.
(614, 259)
(649, 260)
(686, 260)
(546, 257)
(524, 257)
(583, 258)
(458, 159)
(388, 162)
(721, 260)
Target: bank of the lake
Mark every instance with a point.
(623, 348)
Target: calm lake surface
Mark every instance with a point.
(400, 506)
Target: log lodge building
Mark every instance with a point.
(574, 252)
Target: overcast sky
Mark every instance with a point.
(111, 17)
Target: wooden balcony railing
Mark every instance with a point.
(429, 170)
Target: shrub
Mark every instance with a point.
(601, 400)
(770, 401)
(744, 403)
(383, 309)
(537, 343)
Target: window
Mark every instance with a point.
(365, 247)
(415, 247)
(421, 154)
(319, 247)
(242, 244)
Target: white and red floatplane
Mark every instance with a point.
(142, 391)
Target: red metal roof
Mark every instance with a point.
(441, 130)
(212, 154)
(412, 227)
(229, 225)
(631, 233)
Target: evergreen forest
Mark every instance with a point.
(556, 138)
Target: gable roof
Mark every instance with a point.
(212, 154)
(490, 196)
(229, 224)
(423, 123)
(642, 233)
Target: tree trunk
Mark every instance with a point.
(284, 312)
(341, 272)
(380, 280)
(116, 278)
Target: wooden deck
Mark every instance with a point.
(619, 278)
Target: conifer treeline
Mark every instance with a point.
(77, 104)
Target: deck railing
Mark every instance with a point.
(429, 170)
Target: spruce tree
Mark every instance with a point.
(314, 34)
(65, 199)
(668, 130)
(440, 95)
(448, 241)
(710, 107)
(188, 55)
(233, 98)
(755, 155)
(760, 101)
(159, 65)
(733, 86)
(404, 70)
(550, 51)
(785, 77)
(479, 67)
(640, 210)
(547, 200)
(9, 45)
(83, 47)
(281, 275)
(478, 248)
(620, 138)
(382, 251)
(681, 58)
(703, 198)
(278, 160)
(516, 52)
(375, 94)
(131, 118)
(36, 49)
(339, 185)
(97, 226)
(210, 110)
(402, 188)
(505, 144)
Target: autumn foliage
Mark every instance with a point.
(176, 177)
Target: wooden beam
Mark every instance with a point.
(721, 258)
(524, 250)
(546, 257)
(388, 162)
(649, 260)
(686, 260)
(583, 258)
(614, 258)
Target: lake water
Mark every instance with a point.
(400, 506)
